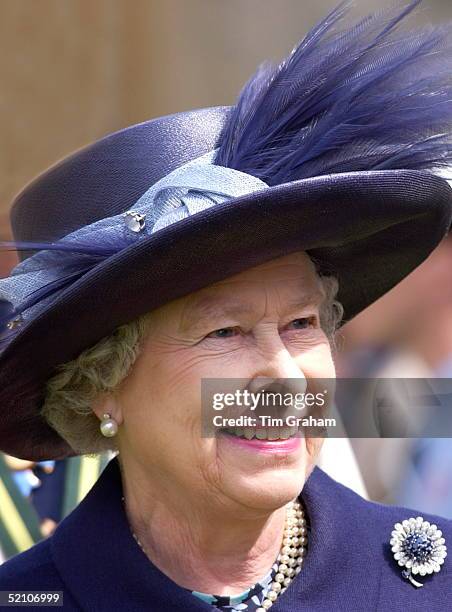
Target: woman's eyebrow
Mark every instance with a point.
(212, 307)
(216, 306)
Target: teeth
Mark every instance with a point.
(273, 433)
(249, 433)
(263, 433)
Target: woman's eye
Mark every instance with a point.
(223, 332)
(230, 332)
(304, 322)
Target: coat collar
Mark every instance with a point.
(104, 568)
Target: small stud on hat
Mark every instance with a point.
(135, 221)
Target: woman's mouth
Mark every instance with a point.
(273, 439)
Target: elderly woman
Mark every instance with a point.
(227, 243)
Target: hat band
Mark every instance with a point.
(184, 192)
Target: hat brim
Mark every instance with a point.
(370, 229)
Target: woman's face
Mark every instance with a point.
(263, 322)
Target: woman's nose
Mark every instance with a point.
(279, 368)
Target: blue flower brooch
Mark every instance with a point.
(419, 547)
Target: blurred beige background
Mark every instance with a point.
(74, 70)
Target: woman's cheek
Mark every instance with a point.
(314, 357)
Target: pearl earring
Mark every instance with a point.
(108, 426)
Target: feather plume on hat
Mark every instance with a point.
(367, 97)
(371, 97)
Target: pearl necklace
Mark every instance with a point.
(291, 555)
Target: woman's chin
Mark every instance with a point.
(269, 489)
(264, 473)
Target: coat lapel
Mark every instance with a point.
(340, 571)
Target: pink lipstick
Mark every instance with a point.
(273, 446)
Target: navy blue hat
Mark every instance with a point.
(337, 151)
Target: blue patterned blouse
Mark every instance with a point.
(249, 600)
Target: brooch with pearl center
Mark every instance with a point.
(419, 547)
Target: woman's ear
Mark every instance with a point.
(107, 403)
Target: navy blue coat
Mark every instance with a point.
(93, 558)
